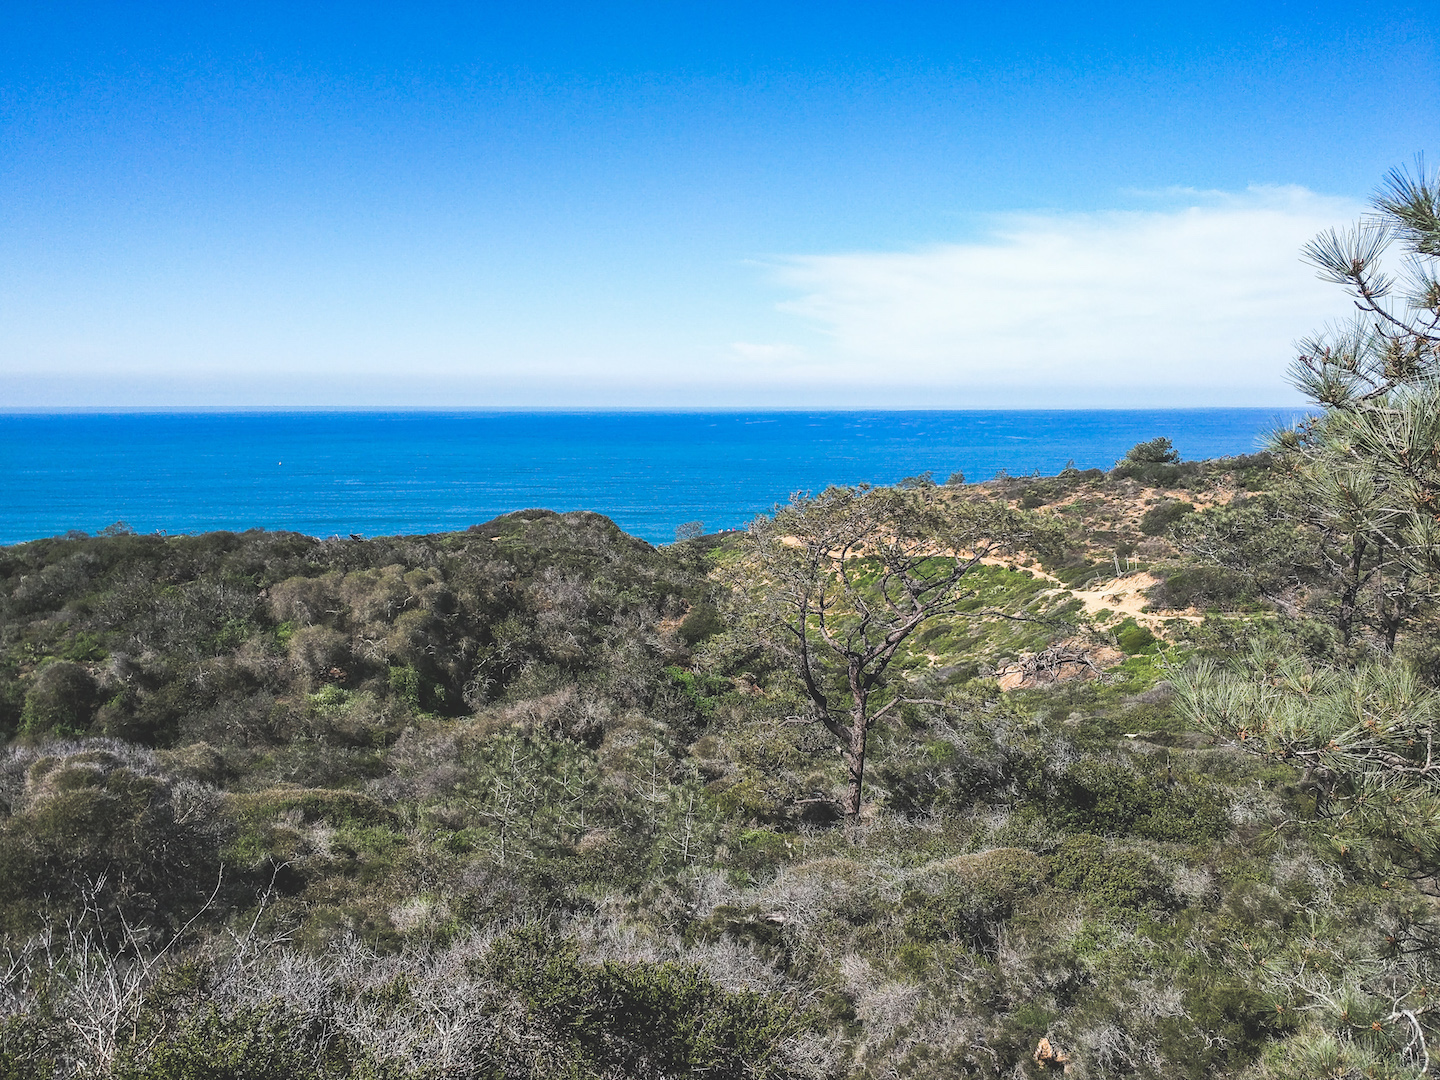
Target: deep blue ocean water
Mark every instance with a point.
(383, 473)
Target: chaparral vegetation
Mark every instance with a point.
(1102, 774)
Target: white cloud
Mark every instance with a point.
(763, 355)
(1209, 294)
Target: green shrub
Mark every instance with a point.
(757, 851)
(1155, 462)
(12, 703)
(330, 698)
(1117, 800)
(1133, 638)
(254, 1044)
(1201, 587)
(84, 646)
(94, 817)
(703, 621)
(1124, 882)
(30, 1047)
(703, 692)
(62, 700)
(1158, 451)
(640, 1019)
(966, 898)
(1159, 518)
(1080, 574)
(318, 651)
(405, 685)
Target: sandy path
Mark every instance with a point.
(1124, 596)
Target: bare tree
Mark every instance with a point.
(689, 530)
(839, 581)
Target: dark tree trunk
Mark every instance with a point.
(1350, 594)
(859, 736)
(855, 759)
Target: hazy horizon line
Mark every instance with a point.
(58, 410)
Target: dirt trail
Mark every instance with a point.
(1125, 595)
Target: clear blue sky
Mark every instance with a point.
(683, 204)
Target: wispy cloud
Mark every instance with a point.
(1209, 292)
(763, 355)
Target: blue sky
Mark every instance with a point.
(668, 204)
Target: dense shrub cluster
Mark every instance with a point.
(1155, 463)
(1160, 517)
(164, 639)
(1203, 587)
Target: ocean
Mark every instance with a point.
(382, 473)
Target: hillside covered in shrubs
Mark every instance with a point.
(538, 799)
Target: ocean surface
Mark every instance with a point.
(385, 473)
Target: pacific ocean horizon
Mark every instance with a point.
(393, 472)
